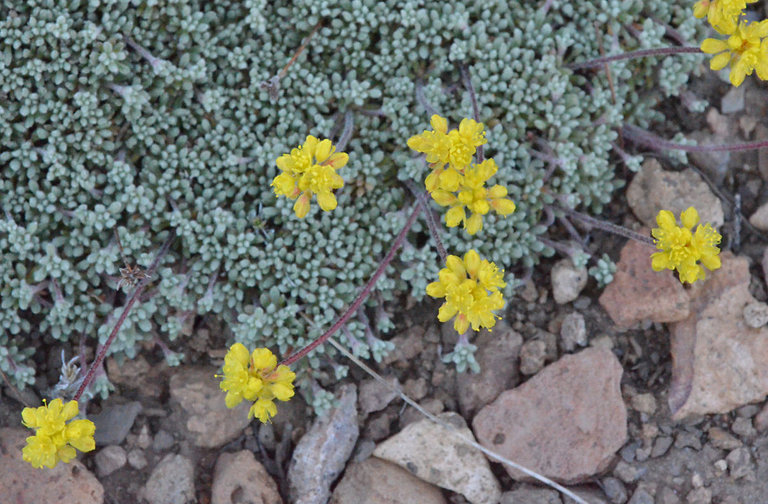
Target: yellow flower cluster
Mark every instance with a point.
(745, 49)
(471, 291)
(255, 377)
(682, 249)
(310, 169)
(54, 438)
(454, 181)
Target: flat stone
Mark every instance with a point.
(638, 293)
(172, 481)
(497, 355)
(376, 481)
(567, 281)
(375, 396)
(733, 100)
(208, 421)
(653, 189)
(566, 423)
(759, 219)
(573, 332)
(109, 459)
(322, 453)
(114, 422)
(68, 483)
(239, 479)
(717, 360)
(722, 439)
(437, 455)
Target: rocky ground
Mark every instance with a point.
(643, 392)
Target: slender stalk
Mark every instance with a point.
(608, 226)
(434, 229)
(648, 139)
(475, 108)
(363, 294)
(134, 297)
(660, 51)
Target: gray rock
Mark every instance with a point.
(627, 473)
(109, 459)
(172, 481)
(114, 422)
(733, 100)
(436, 454)
(644, 403)
(688, 439)
(661, 445)
(699, 496)
(162, 441)
(614, 489)
(375, 396)
(759, 219)
(323, 451)
(756, 314)
(667, 496)
(641, 496)
(528, 494)
(137, 459)
(567, 281)
(722, 439)
(743, 427)
(239, 479)
(573, 331)
(740, 463)
(533, 353)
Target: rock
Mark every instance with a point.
(172, 481)
(759, 219)
(162, 441)
(138, 374)
(660, 446)
(68, 483)
(375, 396)
(687, 440)
(497, 355)
(761, 133)
(732, 101)
(761, 419)
(641, 496)
(573, 331)
(614, 489)
(406, 346)
(239, 479)
(566, 423)
(528, 494)
(114, 422)
(567, 281)
(144, 439)
(109, 459)
(417, 389)
(667, 496)
(137, 459)
(208, 421)
(717, 361)
(653, 189)
(644, 403)
(321, 454)
(743, 427)
(376, 481)
(722, 439)
(533, 353)
(626, 472)
(437, 455)
(764, 261)
(740, 462)
(756, 314)
(638, 293)
(699, 496)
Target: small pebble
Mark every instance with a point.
(614, 489)
(641, 496)
(743, 427)
(697, 480)
(532, 356)
(688, 439)
(699, 496)
(137, 459)
(756, 315)
(721, 465)
(739, 462)
(573, 332)
(722, 439)
(109, 459)
(667, 496)
(626, 472)
(163, 440)
(661, 446)
(644, 403)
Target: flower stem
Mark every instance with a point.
(608, 226)
(475, 108)
(134, 297)
(363, 294)
(434, 229)
(648, 139)
(660, 51)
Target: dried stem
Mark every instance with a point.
(608, 226)
(648, 139)
(661, 51)
(134, 297)
(363, 294)
(475, 108)
(434, 229)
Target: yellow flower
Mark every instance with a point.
(255, 377)
(682, 249)
(54, 438)
(454, 148)
(471, 291)
(310, 169)
(723, 15)
(745, 51)
(475, 197)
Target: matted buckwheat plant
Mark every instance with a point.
(276, 169)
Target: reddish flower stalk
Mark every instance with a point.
(648, 139)
(661, 51)
(134, 297)
(363, 294)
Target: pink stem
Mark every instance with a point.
(361, 297)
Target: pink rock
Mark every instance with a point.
(638, 293)
(718, 362)
(376, 481)
(68, 483)
(239, 474)
(566, 422)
